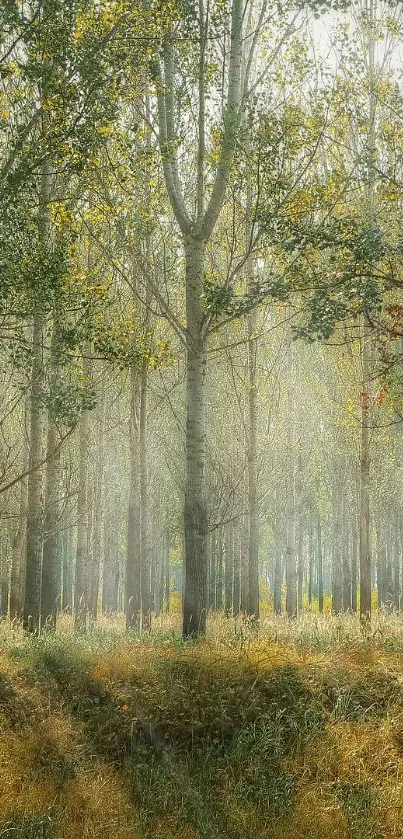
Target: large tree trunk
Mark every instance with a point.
(195, 514)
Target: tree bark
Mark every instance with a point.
(320, 566)
(51, 562)
(195, 514)
(133, 556)
(17, 554)
(229, 567)
(81, 588)
(97, 516)
(34, 538)
(365, 465)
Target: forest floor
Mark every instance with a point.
(297, 732)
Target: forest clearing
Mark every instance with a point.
(201, 408)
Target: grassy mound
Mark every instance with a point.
(280, 736)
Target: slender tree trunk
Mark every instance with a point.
(291, 569)
(110, 575)
(212, 572)
(300, 564)
(237, 573)
(229, 567)
(97, 516)
(81, 588)
(320, 567)
(34, 536)
(337, 566)
(396, 564)
(67, 569)
(311, 559)
(144, 546)
(365, 462)
(133, 557)
(167, 573)
(354, 546)
(278, 578)
(51, 546)
(253, 506)
(220, 568)
(4, 576)
(347, 583)
(17, 553)
(245, 558)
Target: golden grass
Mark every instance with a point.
(48, 761)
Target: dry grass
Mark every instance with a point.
(295, 730)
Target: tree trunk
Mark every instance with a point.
(110, 575)
(347, 584)
(17, 554)
(300, 573)
(396, 564)
(291, 569)
(253, 506)
(311, 560)
(167, 573)
(81, 588)
(365, 544)
(34, 538)
(133, 557)
(67, 570)
(144, 546)
(4, 576)
(337, 565)
(212, 570)
(229, 567)
(320, 567)
(195, 513)
(237, 574)
(220, 568)
(51, 547)
(354, 562)
(97, 516)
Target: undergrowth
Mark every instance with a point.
(292, 731)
